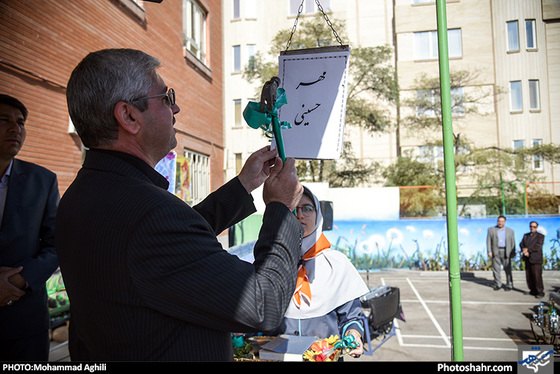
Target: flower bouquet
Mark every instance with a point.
(330, 349)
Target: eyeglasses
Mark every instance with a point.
(533, 226)
(306, 210)
(170, 96)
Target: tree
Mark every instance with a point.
(372, 90)
(425, 106)
(547, 152)
(495, 175)
(428, 198)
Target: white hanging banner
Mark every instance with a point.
(316, 90)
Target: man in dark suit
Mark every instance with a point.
(531, 250)
(146, 276)
(500, 244)
(28, 201)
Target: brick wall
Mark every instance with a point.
(42, 41)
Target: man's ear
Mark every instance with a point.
(127, 117)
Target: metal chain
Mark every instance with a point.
(300, 9)
(327, 20)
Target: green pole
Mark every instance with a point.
(278, 136)
(450, 188)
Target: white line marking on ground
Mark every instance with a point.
(434, 321)
(469, 302)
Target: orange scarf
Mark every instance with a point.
(303, 288)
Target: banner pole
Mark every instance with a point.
(450, 187)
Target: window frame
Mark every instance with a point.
(510, 34)
(519, 96)
(236, 58)
(200, 56)
(309, 7)
(236, 10)
(421, 44)
(237, 113)
(199, 176)
(537, 160)
(431, 96)
(534, 95)
(532, 36)
(251, 56)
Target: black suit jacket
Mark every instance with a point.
(534, 244)
(27, 239)
(146, 276)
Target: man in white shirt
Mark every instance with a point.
(500, 244)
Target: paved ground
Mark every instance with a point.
(493, 322)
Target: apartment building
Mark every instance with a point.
(42, 41)
(250, 26)
(511, 47)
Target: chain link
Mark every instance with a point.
(300, 9)
(327, 20)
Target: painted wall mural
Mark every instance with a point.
(422, 244)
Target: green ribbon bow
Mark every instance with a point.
(347, 342)
(268, 120)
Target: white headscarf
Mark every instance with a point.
(333, 279)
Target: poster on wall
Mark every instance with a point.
(316, 89)
(183, 179)
(167, 167)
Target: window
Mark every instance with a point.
(430, 154)
(236, 9)
(135, 7)
(251, 52)
(457, 101)
(512, 36)
(426, 44)
(238, 163)
(534, 97)
(194, 29)
(236, 58)
(517, 146)
(199, 177)
(238, 112)
(515, 97)
(425, 100)
(429, 102)
(249, 9)
(537, 159)
(530, 33)
(309, 6)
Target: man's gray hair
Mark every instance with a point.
(99, 82)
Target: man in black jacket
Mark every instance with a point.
(146, 276)
(531, 247)
(28, 202)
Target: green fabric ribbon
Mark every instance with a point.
(347, 342)
(268, 120)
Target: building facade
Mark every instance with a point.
(251, 25)
(511, 48)
(42, 41)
